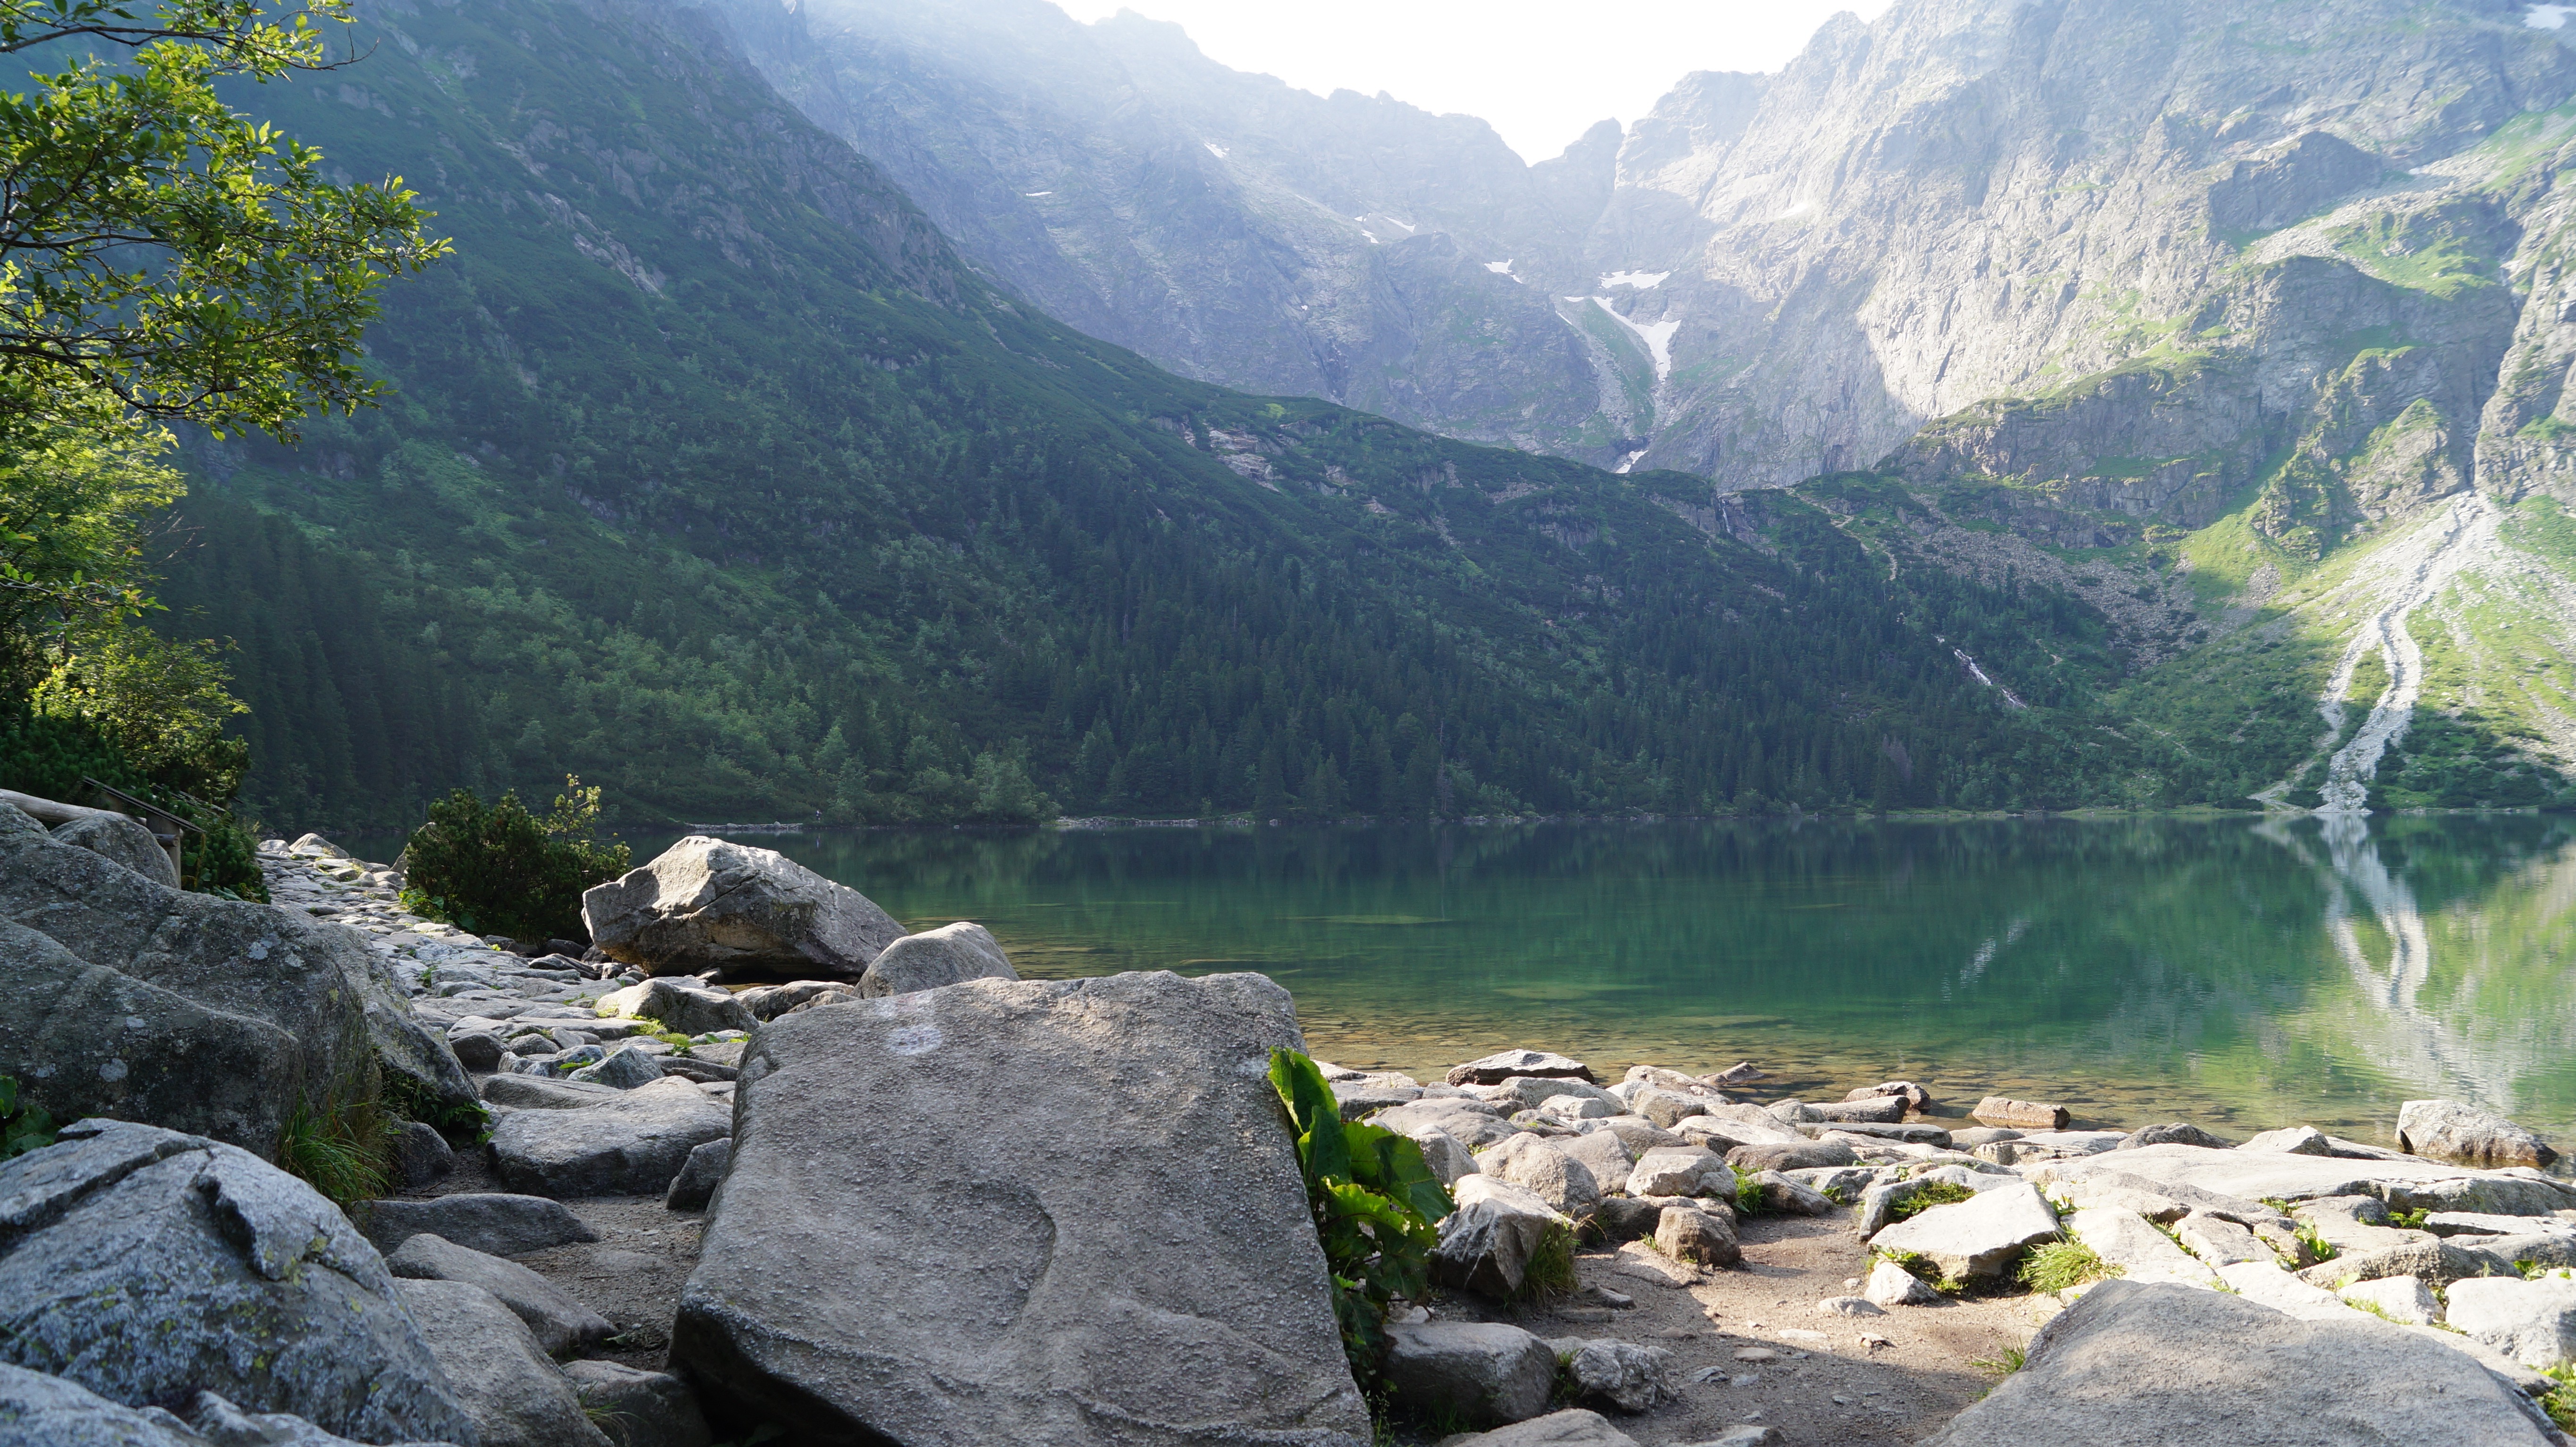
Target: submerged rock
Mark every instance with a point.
(1055, 1194)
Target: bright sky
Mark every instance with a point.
(1542, 71)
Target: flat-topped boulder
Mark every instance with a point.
(1063, 1211)
(629, 1145)
(2403, 1182)
(1982, 1236)
(489, 1221)
(709, 904)
(1497, 1068)
(2152, 1365)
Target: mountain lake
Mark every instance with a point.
(2238, 973)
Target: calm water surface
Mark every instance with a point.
(2237, 973)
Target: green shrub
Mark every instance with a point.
(2560, 1400)
(497, 869)
(24, 1125)
(1374, 1201)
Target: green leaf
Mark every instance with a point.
(1317, 1115)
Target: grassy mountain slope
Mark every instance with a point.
(714, 477)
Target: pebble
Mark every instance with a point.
(1756, 1354)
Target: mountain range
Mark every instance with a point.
(901, 411)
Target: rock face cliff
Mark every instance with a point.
(2218, 319)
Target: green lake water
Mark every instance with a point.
(2241, 974)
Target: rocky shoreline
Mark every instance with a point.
(894, 1193)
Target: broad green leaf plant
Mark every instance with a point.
(1376, 1205)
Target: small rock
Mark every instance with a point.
(625, 1068)
(768, 1002)
(2405, 1300)
(2174, 1133)
(1786, 1197)
(1486, 1244)
(949, 955)
(1666, 1108)
(420, 1154)
(490, 1222)
(121, 840)
(1495, 1069)
(696, 1183)
(1753, 1159)
(1573, 1427)
(1850, 1306)
(1916, 1098)
(2025, 1114)
(1479, 1373)
(1681, 1171)
(1576, 1107)
(536, 1092)
(1876, 1109)
(1628, 1377)
(2300, 1140)
(560, 1324)
(1701, 1235)
(477, 1049)
(637, 1408)
(1893, 1285)
(2448, 1130)
(1756, 1354)
(2221, 1242)
(2140, 1252)
(2533, 1322)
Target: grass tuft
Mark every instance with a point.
(2058, 1265)
(338, 1149)
(1931, 1194)
(1551, 1266)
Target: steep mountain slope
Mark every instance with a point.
(715, 477)
(1226, 226)
(2244, 324)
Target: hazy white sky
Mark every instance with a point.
(1542, 71)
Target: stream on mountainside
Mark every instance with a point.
(2239, 973)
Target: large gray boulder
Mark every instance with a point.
(517, 1397)
(560, 1324)
(318, 1017)
(1479, 1374)
(1979, 1237)
(147, 1266)
(948, 955)
(41, 1411)
(688, 1006)
(708, 904)
(2135, 1365)
(631, 1145)
(2447, 1130)
(123, 841)
(1065, 1211)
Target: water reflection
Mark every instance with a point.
(2243, 974)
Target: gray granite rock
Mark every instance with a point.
(560, 1324)
(2222, 1242)
(1681, 1171)
(476, 1049)
(2133, 1246)
(2533, 1322)
(1892, 1285)
(312, 1010)
(1573, 1427)
(1780, 1156)
(1479, 1374)
(948, 955)
(637, 1408)
(486, 1221)
(2448, 1130)
(1056, 1191)
(536, 1092)
(710, 904)
(2134, 1365)
(420, 1154)
(1702, 1234)
(1486, 1243)
(622, 1069)
(2172, 1133)
(699, 1176)
(120, 840)
(147, 1266)
(1625, 1376)
(1545, 1171)
(631, 1145)
(515, 1395)
(1497, 1068)
(1980, 1237)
